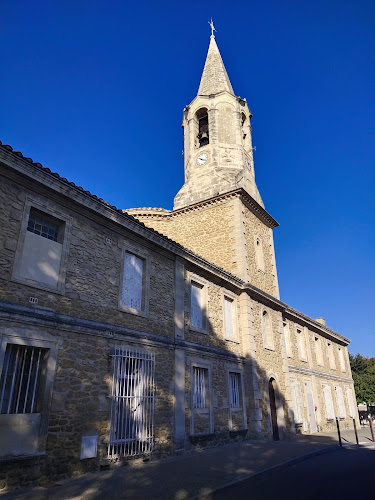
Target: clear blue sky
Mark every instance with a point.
(95, 89)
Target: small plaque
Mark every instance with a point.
(89, 447)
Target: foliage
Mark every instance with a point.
(363, 370)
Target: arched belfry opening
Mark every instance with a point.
(203, 129)
(272, 387)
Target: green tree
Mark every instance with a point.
(363, 370)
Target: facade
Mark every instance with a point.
(147, 332)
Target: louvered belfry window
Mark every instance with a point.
(20, 379)
(133, 400)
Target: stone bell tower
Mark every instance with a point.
(218, 213)
(217, 138)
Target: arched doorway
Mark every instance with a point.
(272, 387)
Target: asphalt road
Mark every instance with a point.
(348, 473)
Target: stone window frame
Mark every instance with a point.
(204, 284)
(33, 339)
(341, 358)
(44, 206)
(145, 256)
(234, 298)
(269, 327)
(318, 347)
(287, 338)
(329, 418)
(234, 368)
(302, 348)
(206, 365)
(331, 355)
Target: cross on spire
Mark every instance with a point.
(211, 23)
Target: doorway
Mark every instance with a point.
(272, 387)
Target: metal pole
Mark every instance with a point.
(338, 430)
(355, 431)
(372, 430)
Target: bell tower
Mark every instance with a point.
(217, 138)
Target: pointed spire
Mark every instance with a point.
(214, 77)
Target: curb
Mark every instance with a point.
(265, 472)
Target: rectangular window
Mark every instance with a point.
(132, 408)
(318, 351)
(349, 397)
(340, 402)
(301, 344)
(197, 306)
(42, 249)
(200, 376)
(259, 256)
(26, 375)
(297, 401)
(20, 379)
(229, 318)
(330, 411)
(331, 357)
(288, 346)
(341, 359)
(234, 389)
(133, 282)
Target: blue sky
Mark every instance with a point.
(95, 90)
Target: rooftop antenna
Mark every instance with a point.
(211, 23)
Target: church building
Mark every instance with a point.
(147, 332)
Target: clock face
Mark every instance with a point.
(202, 158)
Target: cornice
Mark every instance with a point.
(310, 371)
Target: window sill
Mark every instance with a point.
(269, 348)
(60, 288)
(240, 432)
(196, 329)
(204, 411)
(236, 409)
(235, 341)
(136, 312)
(13, 458)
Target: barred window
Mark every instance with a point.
(132, 408)
(234, 389)
(199, 387)
(20, 379)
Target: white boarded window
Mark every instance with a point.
(200, 376)
(328, 401)
(229, 318)
(288, 346)
(349, 397)
(297, 401)
(318, 350)
(197, 305)
(331, 357)
(267, 330)
(340, 402)
(234, 389)
(301, 344)
(259, 257)
(341, 359)
(133, 283)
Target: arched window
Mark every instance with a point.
(203, 129)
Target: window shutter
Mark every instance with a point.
(349, 397)
(132, 282)
(228, 316)
(330, 412)
(196, 305)
(340, 402)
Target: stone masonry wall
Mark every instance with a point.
(93, 273)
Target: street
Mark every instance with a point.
(344, 474)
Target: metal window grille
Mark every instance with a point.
(199, 388)
(132, 409)
(43, 225)
(234, 387)
(20, 379)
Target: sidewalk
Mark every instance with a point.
(190, 475)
